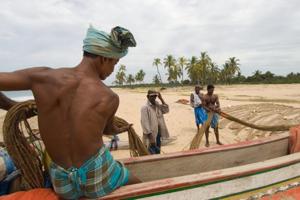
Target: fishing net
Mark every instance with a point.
(136, 146)
(26, 149)
(23, 145)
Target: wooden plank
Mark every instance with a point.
(227, 147)
(164, 185)
(208, 161)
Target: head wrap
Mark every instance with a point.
(113, 45)
(151, 93)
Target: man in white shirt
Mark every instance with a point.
(196, 102)
(153, 123)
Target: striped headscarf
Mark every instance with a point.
(113, 45)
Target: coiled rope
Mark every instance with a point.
(25, 148)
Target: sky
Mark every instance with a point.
(262, 34)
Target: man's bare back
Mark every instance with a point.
(75, 108)
(71, 112)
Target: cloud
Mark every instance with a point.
(262, 34)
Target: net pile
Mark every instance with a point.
(25, 148)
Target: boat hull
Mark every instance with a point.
(257, 167)
(231, 183)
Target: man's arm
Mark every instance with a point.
(111, 128)
(5, 102)
(20, 79)
(192, 100)
(145, 122)
(163, 107)
(218, 107)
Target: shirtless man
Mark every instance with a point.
(75, 108)
(211, 103)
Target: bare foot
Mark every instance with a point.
(207, 144)
(219, 143)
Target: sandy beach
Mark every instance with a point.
(259, 104)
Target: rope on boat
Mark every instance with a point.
(259, 127)
(136, 146)
(26, 151)
(198, 137)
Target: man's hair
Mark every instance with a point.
(210, 86)
(90, 55)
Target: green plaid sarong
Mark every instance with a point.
(97, 177)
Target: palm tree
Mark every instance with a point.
(214, 72)
(121, 75)
(157, 62)
(225, 73)
(130, 79)
(182, 63)
(257, 75)
(233, 65)
(169, 63)
(204, 64)
(191, 68)
(139, 77)
(156, 80)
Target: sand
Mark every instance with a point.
(260, 104)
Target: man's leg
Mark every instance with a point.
(155, 148)
(112, 144)
(206, 137)
(158, 142)
(216, 130)
(197, 118)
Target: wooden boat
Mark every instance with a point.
(261, 167)
(246, 170)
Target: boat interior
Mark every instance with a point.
(156, 167)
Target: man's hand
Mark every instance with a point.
(217, 110)
(160, 98)
(159, 95)
(124, 128)
(151, 139)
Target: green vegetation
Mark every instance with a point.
(201, 70)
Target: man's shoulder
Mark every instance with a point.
(49, 73)
(145, 107)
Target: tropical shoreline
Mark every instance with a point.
(280, 101)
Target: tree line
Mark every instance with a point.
(201, 70)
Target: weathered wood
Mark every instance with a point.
(217, 183)
(191, 162)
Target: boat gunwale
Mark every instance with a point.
(204, 150)
(205, 178)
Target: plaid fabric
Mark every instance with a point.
(97, 177)
(214, 120)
